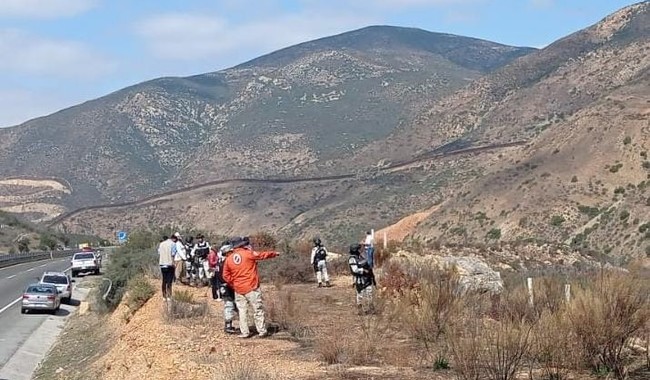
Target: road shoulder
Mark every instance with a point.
(26, 359)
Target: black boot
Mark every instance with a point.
(229, 329)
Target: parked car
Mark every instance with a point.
(41, 297)
(62, 282)
(84, 262)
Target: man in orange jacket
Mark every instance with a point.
(240, 273)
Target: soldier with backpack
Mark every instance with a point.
(319, 262)
(364, 280)
(226, 291)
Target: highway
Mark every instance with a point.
(15, 328)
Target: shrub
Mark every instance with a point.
(619, 190)
(330, 349)
(242, 370)
(624, 215)
(138, 291)
(606, 316)
(183, 306)
(554, 347)
(431, 307)
(291, 267)
(557, 220)
(125, 264)
(494, 234)
(263, 241)
(627, 140)
(284, 310)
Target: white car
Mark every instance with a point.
(84, 262)
(62, 282)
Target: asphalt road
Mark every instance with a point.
(15, 328)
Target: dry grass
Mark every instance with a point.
(606, 316)
(183, 306)
(284, 311)
(242, 370)
(138, 292)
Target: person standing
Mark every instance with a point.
(369, 244)
(319, 262)
(179, 259)
(364, 279)
(166, 253)
(199, 254)
(226, 292)
(213, 269)
(240, 272)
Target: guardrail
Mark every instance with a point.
(18, 258)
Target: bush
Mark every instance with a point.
(606, 316)
(125, 263)
(138, 292)
(284, 310)
(291, 267)
(330, 349)
(557, 220)
(624, 215)
(242, 370)
(627, 140)
(431, 307)
(555, 348)
(494, 234)
(183, 306)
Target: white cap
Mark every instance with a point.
(178, 235)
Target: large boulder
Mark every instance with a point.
(475, 274)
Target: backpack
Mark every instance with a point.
(321, 254)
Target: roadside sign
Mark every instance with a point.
(121, 236)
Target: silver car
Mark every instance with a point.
(62, 282)
(41, 297)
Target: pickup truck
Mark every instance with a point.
(84, 262)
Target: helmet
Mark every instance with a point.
(178, 235)
(240, 241)
(355, 249)
(317, 242)
(225, 249)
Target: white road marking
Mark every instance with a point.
(11, 304)
(12, 276)
(41, 266)
(29, 270)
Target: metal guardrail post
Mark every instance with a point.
(110, 286)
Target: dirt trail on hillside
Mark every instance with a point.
(406, 226)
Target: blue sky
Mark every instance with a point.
(57, 53)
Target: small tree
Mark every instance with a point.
(48, 241)
(23, 245)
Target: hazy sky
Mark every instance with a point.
(57, 53)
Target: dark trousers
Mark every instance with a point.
(167, 281)
(215, 284)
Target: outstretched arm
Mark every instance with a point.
(264, 255)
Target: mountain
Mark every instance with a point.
(566, 134)
(583, 177)
(295, 112)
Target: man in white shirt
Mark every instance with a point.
(369, 245)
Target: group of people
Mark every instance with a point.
(234, 278)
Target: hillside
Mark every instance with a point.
(278, 115)
(581, 106)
